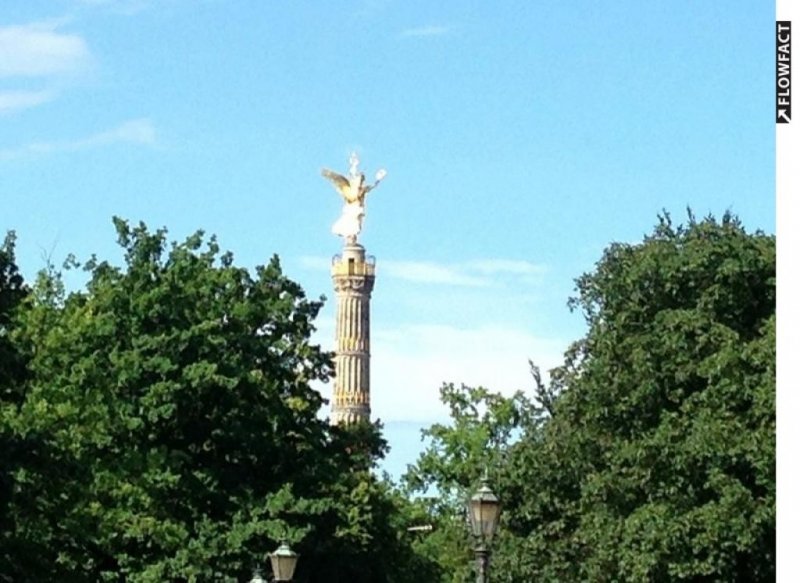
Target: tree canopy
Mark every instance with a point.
(653, 453)
(13, 451)
(160, 424)
(171, 430)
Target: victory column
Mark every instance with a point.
(353, 278)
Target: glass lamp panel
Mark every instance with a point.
(490, 512)
(484, 511)
(284, 561)
(283, 567)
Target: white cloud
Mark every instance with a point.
(39, 49)
(431, 273)
(409, 364)
(124, 7)
(454, 322)
(370, 9)
(428, 30)
(475, 273)
(16, 100)
(137, 132)
(503, 266)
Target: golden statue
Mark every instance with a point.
(353, 189)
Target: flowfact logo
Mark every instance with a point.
(783, 71)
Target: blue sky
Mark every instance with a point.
(520, 138)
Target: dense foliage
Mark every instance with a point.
(483, 425)
(160, 425)
(652, 454)
(171, 432)
(13, 450)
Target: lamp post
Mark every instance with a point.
(484, 512)
(284, 561)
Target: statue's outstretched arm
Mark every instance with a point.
(380, 175)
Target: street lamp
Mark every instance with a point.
(283, 560)
(484, 512)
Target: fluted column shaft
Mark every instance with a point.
(353, 280)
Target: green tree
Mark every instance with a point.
(12, 293)
(483, 426)
(658, 463)
(13, 449)
(650, 454)
(176, 431)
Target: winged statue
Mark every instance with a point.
(354, 189)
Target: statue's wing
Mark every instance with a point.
(339, 181)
